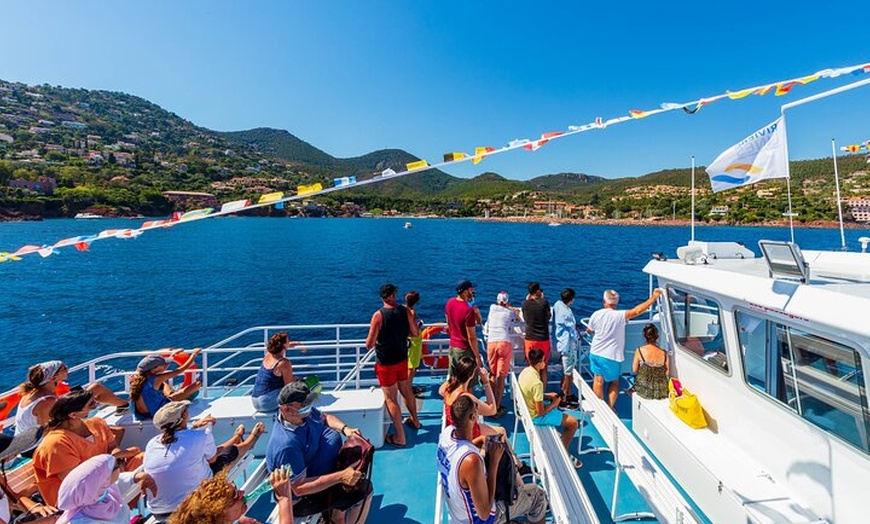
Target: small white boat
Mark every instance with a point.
(88, 216)
(554, 224)
(408, 225)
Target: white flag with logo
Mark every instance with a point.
(759, 156)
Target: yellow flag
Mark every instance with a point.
(419, 164)
(739, 94)
(479, 153)
(271, 197)
(311, 188)
(453, 157)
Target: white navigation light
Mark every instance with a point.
(864, 241)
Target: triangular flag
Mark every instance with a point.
(637, 113)
(783, 89)
(46, 251)
(479, 153)
(764, 90)
(8, 256)
(82, 246)
(739, 94)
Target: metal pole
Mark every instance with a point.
(790, 214)
(693, 199)
(839, 202)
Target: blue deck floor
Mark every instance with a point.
(405, 479)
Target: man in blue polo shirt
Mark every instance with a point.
(309, 441)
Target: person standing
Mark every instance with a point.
(415, 344)
(499, 348)
(389, 330)
(536, 314)
(461, 325)
(607, 351)
(567, 343)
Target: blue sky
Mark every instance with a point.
(430, 77)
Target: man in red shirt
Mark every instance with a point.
(461, 323)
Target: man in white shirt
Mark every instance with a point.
(500, 321)
(608, 342)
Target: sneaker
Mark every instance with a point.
(419, 391)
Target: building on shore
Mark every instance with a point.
(859, 207)
(191, 199)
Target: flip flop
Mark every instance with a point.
(391, 440)
(410, 423)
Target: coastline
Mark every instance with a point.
(817, 224)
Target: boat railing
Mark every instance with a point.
(336, 353)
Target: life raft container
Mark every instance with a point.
(428, 358)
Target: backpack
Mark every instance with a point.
(356, 450)
(507, 488)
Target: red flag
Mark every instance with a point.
(82, 246)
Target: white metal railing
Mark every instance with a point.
(334, 352)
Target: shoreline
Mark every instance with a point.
(817, 224)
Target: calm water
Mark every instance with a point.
(196, 284)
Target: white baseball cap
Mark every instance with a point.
(503, 298)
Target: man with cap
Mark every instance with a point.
(389, 330)
(501, 319)
(309, 441)
(11, 447)
(461, 326)
(178, 458)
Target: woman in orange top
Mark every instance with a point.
(73, 438)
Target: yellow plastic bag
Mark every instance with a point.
(685, 405)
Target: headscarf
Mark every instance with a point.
(81, 492)
(49, 370)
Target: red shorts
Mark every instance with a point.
(499, 356)
(389, 375)
(543, 345)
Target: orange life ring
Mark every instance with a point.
(428, 358)
(13, 399)
(181, 359)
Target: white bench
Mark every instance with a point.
(725, 482)
(553, 467)
(664, 499)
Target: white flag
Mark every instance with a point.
(759, 156)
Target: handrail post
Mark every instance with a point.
(205, 374)
(92, 373)
(358, 369)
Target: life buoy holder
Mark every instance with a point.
(428, 358)
(13, 399)
(181, 359)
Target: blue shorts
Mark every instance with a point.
(605, 367)
(550, 418)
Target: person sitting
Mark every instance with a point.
(532, 390)
(309, 442)
(71, 439)
(38, 394)
(12, 502)
(92, 492)
(275, 371)
(180, 458)
(219, 501)
(468, 477)
(149, 386)
(459, 385)
(651, 366)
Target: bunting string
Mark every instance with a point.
(780, 88)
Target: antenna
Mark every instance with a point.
(839, 201)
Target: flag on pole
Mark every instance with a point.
(760, 156)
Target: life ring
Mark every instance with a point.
(428, 358)
(181, 359)
(14, 398)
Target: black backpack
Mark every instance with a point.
(506, 487)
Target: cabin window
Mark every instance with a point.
(819, 379)
(697, 327)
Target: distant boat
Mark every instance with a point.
(88, 216)
(554, 224)
(408, 225)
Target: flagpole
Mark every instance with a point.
(787, 175)
(839, 202)
(693, 200)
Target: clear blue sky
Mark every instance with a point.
(431, 77)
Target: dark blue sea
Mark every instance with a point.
(198, 283)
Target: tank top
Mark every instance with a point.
(652, 379)
(475, 430)
(266, 380)
(460, 507)
(153, 399)
(392, 344)
(25, 419)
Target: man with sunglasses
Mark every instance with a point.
(309, 441)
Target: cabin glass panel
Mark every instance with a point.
(819, 379)
(697, 324)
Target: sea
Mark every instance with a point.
(198, 283)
